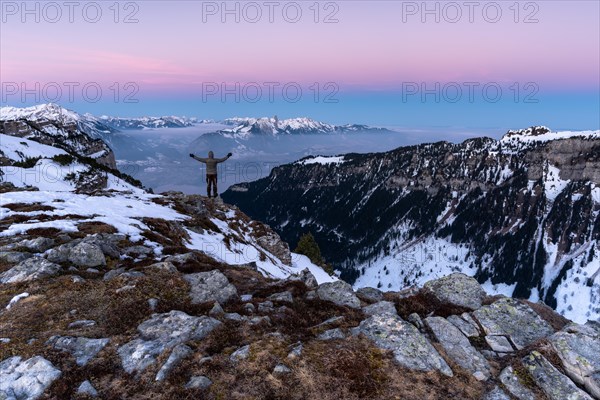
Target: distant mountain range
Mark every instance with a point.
(521, 214)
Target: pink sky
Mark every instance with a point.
(171, 49)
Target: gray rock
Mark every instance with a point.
(310, 295)
(554, 384)
(26, 379)
(457, 289)
(86, 388)
(77, 279)
(332, 334)
(37, 245)
(283, 297)
(296, 351)
(458, 347)
(31, 269)
(82, 348)
(499, 343)
(182, 259)
(265, 307)
(281, 369)
(87, 255)
(179, 352)
(411, 349)
(163, 266)
(512, 383)
(153, 303)
(246, 298)
(210, 286)
(240, 354)
(249, 308)
(468, 329)
(216, 310)
(415, 319)
(382, 307)
(13, 257)
(83, 323)
(113, 273)
(162, 332)
(106, 243)
(198, 382)
(138, 251)
(61, 253)
(369, 294)
(579, 350)
(307, 277)
(510, 317)
(261, 319)
(330, 322)
(234, 317)
(338, 292)
(497, 394)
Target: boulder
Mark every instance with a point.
(499, 343)
(281, 369)
(240, 354)
(467, 327)
(458, 290)
(30, 269)
(26, 379)
(87, 255)
(61, 253)
(411, 349)
(555, 385)
(458, 347)
(496, 394)
(198, 382)
(163, 266)
(14, 257)
(210, 286)
(513, 384)
(579, 350)
(515, 319)
(369, 294)
(338, 292)
(82, 348)
(305, 276)
(283, 297)
(332, 334)
(179, 352)
(162, 332)
(382, 307)
(87, 389)
(37, 245)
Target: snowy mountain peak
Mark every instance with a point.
(274, 126)
(544, 134)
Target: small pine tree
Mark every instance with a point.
(308, 246)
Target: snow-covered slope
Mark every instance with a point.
(521, 214)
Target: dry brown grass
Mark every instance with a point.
(93, 227)
(425, 304)
(28, 207)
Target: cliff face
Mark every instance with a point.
(521, 214)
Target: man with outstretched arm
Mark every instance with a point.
(211, 170)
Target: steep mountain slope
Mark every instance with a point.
(521, 214)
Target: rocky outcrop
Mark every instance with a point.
(514, 320)
(26, 379)
(160, 333)
(554, 384)
(458, 347)
(411, 349)
(30, 269)
(210, 286)
(81, 348)
(338, 292)
(458, 290)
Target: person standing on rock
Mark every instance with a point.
(211, 170)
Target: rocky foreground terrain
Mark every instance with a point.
(92, 312)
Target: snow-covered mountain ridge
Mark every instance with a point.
(521, 214)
